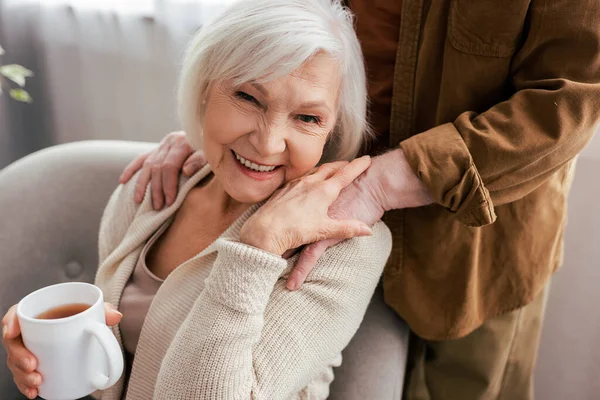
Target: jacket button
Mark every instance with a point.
(73, 269)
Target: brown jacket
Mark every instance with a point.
(492, 101)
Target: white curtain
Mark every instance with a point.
(104, 69)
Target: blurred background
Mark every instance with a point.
(107, 69)
(104, 69)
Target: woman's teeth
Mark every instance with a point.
(253, 166)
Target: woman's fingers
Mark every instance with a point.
(194, 163)
(326, 171)
(133, 167)
(21, 362)
(345, 176)
(29, 392)
(10, 324)
(27, 382)
(31, 379)
(344, 229)
(19, 355)
(326, 234)
(113, 316)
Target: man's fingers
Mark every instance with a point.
(133, 167)
(156, 184)
(173, 162)
(194, 163)
(156, 188)
(142, 183)
(306, 262)
(113, 316)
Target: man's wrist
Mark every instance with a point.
(395, 184)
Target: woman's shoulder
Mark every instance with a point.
(379, 243)
(364, 255)
(117, 217)
(122, 203)
(122, 210)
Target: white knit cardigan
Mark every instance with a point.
(238, 334)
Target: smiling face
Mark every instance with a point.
(257, 137)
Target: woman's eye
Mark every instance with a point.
(309, 119)
(245, 96)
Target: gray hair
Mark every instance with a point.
(261, 40)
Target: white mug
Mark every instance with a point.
(77, 355)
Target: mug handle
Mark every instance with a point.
(113, 353)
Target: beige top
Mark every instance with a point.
(238, 334)
(137, 297)
(135, 303)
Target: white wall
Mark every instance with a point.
(569, 360)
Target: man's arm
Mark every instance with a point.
(501, 155)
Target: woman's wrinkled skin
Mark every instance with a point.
(284, 123)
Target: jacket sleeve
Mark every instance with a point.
(248, 337)
(504, 153)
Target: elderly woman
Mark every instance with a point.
(264, 90)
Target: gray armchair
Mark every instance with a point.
(50, 208)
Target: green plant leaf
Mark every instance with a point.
(2, 51)
(20, 95)
(16, 73)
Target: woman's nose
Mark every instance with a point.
(269, 141)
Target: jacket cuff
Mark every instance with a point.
(442, 161)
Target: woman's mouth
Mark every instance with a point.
(255, 170)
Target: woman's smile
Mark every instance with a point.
(258, 136)
(253, 169)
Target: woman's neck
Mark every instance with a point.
(212, 191)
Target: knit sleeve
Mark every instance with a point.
(248, 337)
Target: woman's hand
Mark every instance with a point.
(160, 167)
(21, 362)
(297, 214)
(389, 184)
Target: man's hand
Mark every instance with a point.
(161, 166)
(388, 184)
